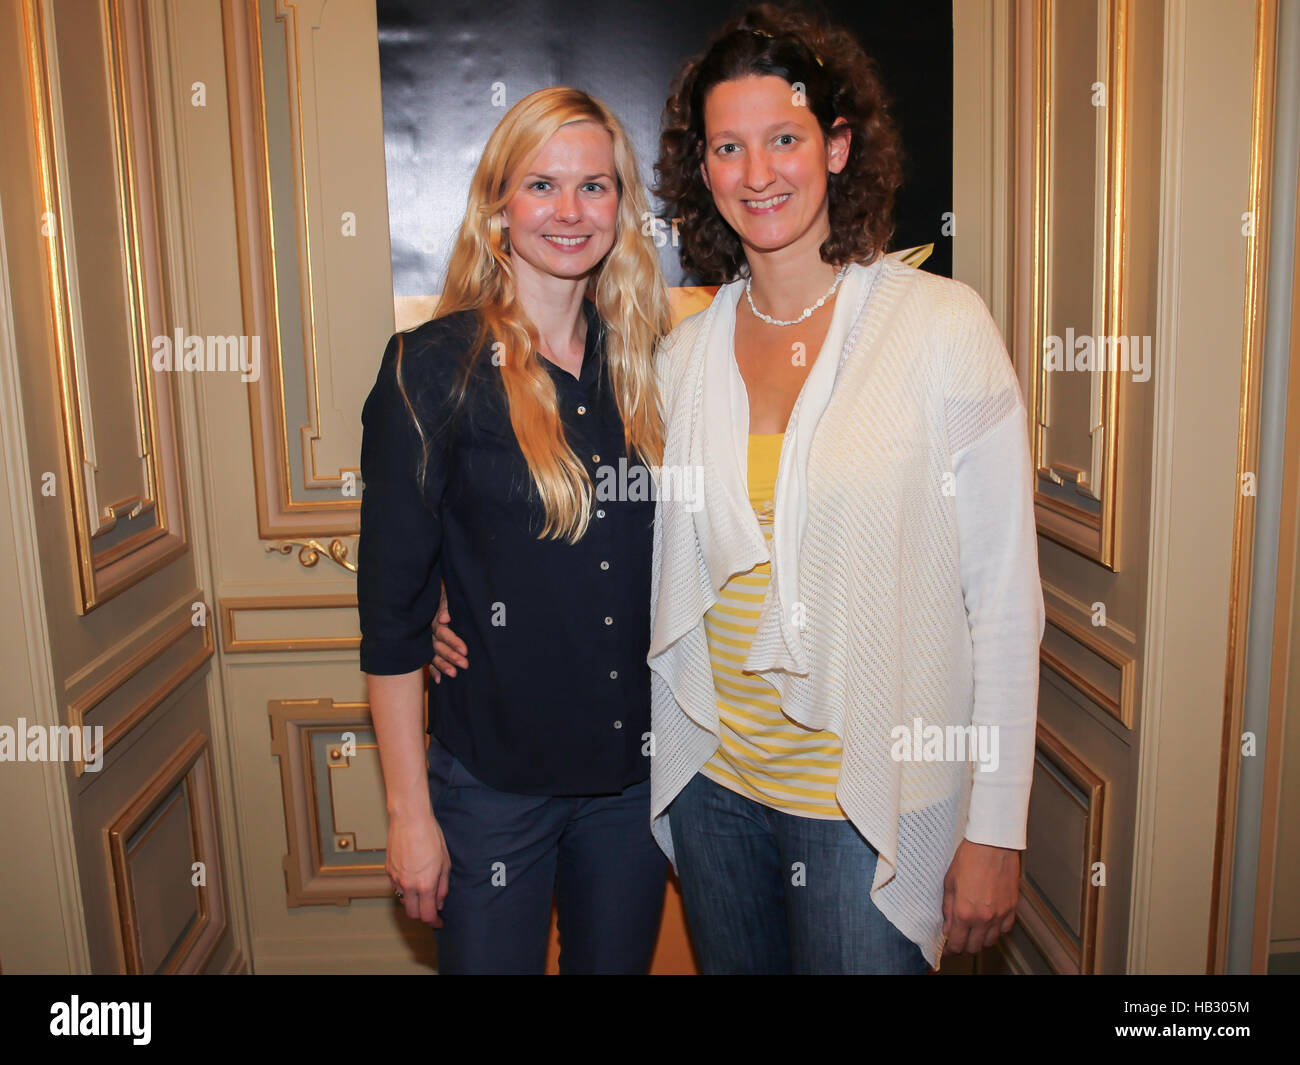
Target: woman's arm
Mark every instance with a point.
(999, 564)
(998, 552)
(417, 861)
(998, 547)
(399, 554)
(398, 586)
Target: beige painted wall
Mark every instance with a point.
(1202, 285)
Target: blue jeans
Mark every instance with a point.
(512, 854)
(771, 892)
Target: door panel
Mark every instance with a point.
(125, 600)
(1089, 77)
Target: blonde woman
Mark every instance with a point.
(484, 436)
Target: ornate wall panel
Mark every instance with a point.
(1089, 98)
(1059, 899)
(1083, 658)
(1080, 87)
(319, 623)
(313, 248)
(106, 290)
(335, 818)
(121, 687)
(165, 867)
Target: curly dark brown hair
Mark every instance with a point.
(840, 81)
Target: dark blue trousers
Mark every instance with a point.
(511, 855)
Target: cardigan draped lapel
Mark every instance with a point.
(713, 436)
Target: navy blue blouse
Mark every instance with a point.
(556, 699)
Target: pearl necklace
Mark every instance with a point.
(807, 311)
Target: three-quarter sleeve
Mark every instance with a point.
(998, 552)
(398, 570)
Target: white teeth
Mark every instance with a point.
(760, 205)
(568, 242)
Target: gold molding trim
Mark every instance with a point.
(1121, 708)
(1093, 535)
(232, 643)
(128, 197)
(188, 768)
(286, 13)
(1081, 613)
(1243, 519)
(308, 880)
(89, 687)
(1043, 928)
(107, 573)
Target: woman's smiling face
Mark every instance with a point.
(766, 162)
(563, 215)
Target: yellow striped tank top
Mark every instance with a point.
(762, 754)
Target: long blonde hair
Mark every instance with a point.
(627, 288)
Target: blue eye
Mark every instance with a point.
(722, 148)
(534, 184)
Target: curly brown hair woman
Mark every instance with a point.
(858, 579)
(838, 80)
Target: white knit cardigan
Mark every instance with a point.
(904, 568)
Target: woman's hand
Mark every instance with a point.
(449, 650)
(979, 896)
(418, 865)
